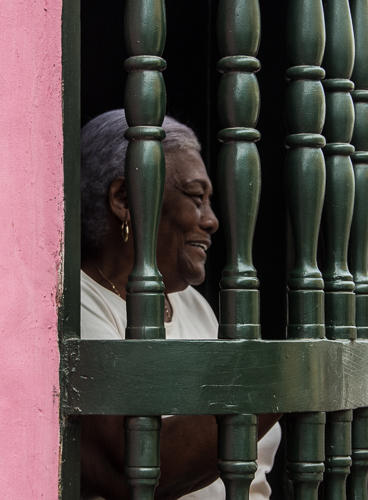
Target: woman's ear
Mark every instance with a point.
(118, 199)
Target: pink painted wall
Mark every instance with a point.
(31, 225)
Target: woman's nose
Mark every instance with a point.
(209, 221)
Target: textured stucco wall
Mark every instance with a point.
(31, 223)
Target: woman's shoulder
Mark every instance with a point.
(192, 298)
(103, 314)
(193, 315)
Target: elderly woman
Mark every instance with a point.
(188, 443)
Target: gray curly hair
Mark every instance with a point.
(103, 149)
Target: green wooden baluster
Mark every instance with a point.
(339, 201)
(238, 29)
(338, 211)
(305, 168)
(145, 104)
(143, 455)
(305, 177)
(359, 232)
(338, 454)
(359, 239)
(358, 481)
(237, 454)
(305, 452)
(239, 166)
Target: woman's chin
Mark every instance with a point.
(193, 276)
(197, 276)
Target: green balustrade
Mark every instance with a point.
(305, 167)
(359, 236)
(145, 105)
(215, 377)
(237, 452)
(339, 201)
(358, 481)
(239, 376)
(142, 456)
(306, 453)
(305, 178)
(338, 454)
(238, 30)
(337, 216)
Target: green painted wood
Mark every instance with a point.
(145, 105)
(338, 454)
(69, 486)
(142, 455)
(145, 87)
(306, 453)
(339, 200)
(359, 236)
(239, 166)
(237, 453)
(359, 11)
(238, 27)
(339, 40)
(305, 169)
(156, 377)
(144, 27)
(145, 298)
(305, 46)
(238, 34)
(358, 480)
(337, 217)
(359, 241)
(69, 310)
(305, 185)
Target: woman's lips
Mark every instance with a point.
(200, 246)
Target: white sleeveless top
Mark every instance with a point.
(103, 316)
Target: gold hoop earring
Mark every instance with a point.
(125, 231)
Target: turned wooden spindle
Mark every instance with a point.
(358, 251)
(305, 180)
(337, 216)
(358, 479)
(339, 201)
(338, 454)
(359, 233)
(238, 29)
(145, 105)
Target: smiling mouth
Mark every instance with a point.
(203, 246)
(200, 245)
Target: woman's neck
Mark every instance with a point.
(116, 281)
(110, 266)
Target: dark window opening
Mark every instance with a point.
(191, 81)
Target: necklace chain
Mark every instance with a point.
(167, 306)
(109, 281)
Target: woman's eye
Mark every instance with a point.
(196, 197)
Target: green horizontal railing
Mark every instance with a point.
(154, 377)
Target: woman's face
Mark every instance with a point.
(187, 221)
